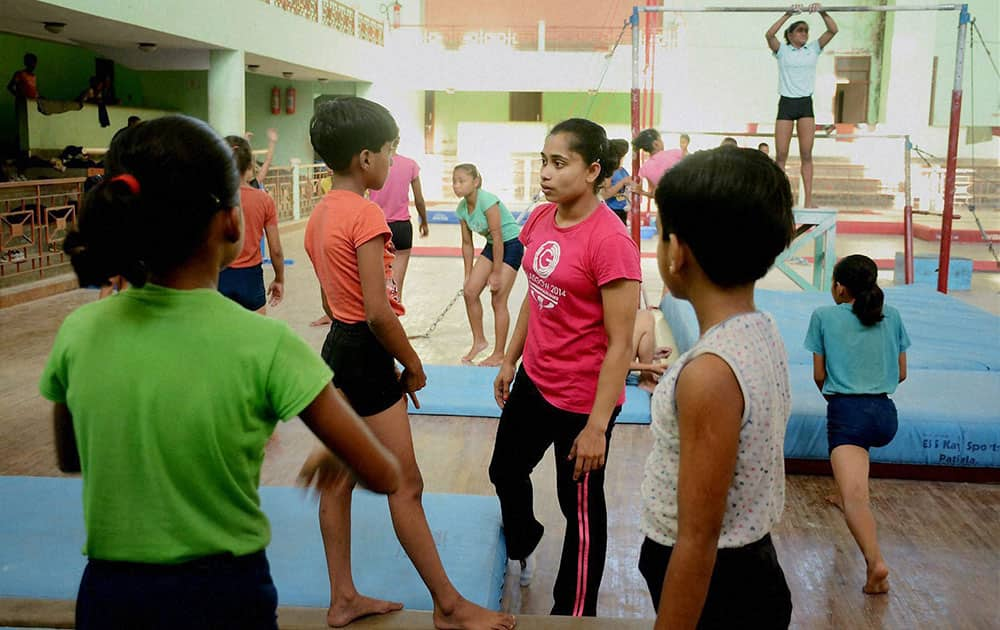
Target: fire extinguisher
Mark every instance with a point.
(290, 100)
(395, 14)
(275, 100)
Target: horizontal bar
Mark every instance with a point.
(805, 9)
(819, 135)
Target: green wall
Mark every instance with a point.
(451, 109)
(606, 108)
(63, 72)
(293, 129)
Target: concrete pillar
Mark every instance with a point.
(227, 94)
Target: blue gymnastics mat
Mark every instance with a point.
(41, 535)
(467, 390)
(947, 333)
(946, 418)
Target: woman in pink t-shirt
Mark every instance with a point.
(574, 339)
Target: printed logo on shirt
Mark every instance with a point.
(547, 258)
(544, 293)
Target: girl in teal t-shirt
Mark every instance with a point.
(482, 212)
(168, 417)
(859, 356)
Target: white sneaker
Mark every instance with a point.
(527, 570)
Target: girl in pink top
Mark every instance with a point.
(574, 337)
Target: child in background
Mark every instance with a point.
(260, 171)
(394, 199)
(859, 357)
(575, 334)
(168, 416)
(764, 148)
(646, 353)
(659, 161)
(714, 484)
(348, 242)
(243, 280)
(615, 192)
(482, 212)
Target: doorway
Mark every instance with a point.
(850, 103)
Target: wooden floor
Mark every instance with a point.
(942, 540)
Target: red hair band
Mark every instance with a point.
(130, 181)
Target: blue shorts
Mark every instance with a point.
(864, 420)
(513, 252)
(244, 285)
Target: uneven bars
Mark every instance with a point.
(803, 11)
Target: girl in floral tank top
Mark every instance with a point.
(714, 481)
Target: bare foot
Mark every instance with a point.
(836, 500)
(878, 580)
(345, 611)
(322, 321)
(477, 347)
(467, 616)
(494, 360)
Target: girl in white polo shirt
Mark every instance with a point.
(796, 78)
(714, 483)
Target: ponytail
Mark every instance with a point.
(858, 274)
(104, 245)
(868, 305)
(167, 179)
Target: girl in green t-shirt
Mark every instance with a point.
(168, 417)
(482, 212)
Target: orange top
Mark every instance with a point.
(26, 84)
(340, 223)
(258, 213)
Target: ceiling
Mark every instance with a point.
(119, 41)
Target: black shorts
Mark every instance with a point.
(747, 588)
(221, 591)
(513, 252)
(864, 420)
(795, 108)
(362, 369)
(244, 285)
(402, 235)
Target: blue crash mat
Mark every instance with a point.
(42, 532)
(465, 390)
(947, 333)
(946, 418)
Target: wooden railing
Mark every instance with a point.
(337, 16)
(34, 219)
(295, 189)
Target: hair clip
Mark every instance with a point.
(130, 181)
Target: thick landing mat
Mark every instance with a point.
(464, 390)
(946, 418)
(41, 535)
(947, 333)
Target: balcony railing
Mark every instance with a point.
(34, 219)
(337, 16)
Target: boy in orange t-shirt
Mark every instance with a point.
(349, 244)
